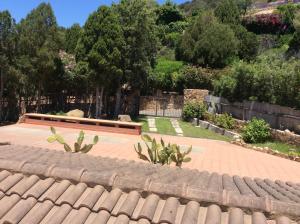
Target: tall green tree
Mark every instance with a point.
(168, 13)
(227, 11)
(72, 36)
(100, 46)
(137, 20)
(7, 51)
(208, 43)
(248, 43)
(38, 47)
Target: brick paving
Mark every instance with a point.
(209, 155)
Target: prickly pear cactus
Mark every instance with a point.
(77, 145)
(160, 153)
(180, 157)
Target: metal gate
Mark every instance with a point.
(165, 106)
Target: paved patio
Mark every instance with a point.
(210, 155)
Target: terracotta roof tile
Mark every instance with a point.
(133, 192)
(169, 211)
(20, 209)
(39, 188)
(37, 213)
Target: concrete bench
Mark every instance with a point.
(82, 123)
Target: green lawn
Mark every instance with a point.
(143, 120)
(164, 126)
(279, 146)
(168, 66)
(196, 132)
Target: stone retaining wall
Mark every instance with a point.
(214, 128)
(195, 95)
(277, 116)
(282, 136)
(164, 102)
(286, 136)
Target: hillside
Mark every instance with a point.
(190, 6)
(193, 5)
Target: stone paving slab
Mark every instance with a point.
(209, 155)
(177, 127)
(152, 125)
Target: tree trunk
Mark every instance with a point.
(90, 102)
(1, 92)
(97, 103)
(39, 97)
(118, 102)
(101, 100)
(105, 104)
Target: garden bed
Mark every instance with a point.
(267, 149)
(214, 128)
(276, 148)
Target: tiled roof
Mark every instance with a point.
(81, 185)
(31, 200)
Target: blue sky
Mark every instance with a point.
(67, 12)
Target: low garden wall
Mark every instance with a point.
(282, 136)
(286, 136)
(278, 117)
(214, 128)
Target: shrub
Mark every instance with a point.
(193, 110)
(61, 113)
(225, 86)
(209, 117)
(268, 79)
(225, 121)
(256, 131)
(248, 42)
(265, 23)
(288, 13)
(197, 77)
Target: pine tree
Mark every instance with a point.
(137, 20)
(100, 46)
(7, 51)
(38, 48)
(72, 37)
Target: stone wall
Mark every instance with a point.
(169, 104)
(277, 116)
(195, 95)
(166, 101)
(286, 136)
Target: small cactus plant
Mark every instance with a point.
(77, 145)
(160, 153)
(180, 157)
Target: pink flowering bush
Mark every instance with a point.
(265, 23)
